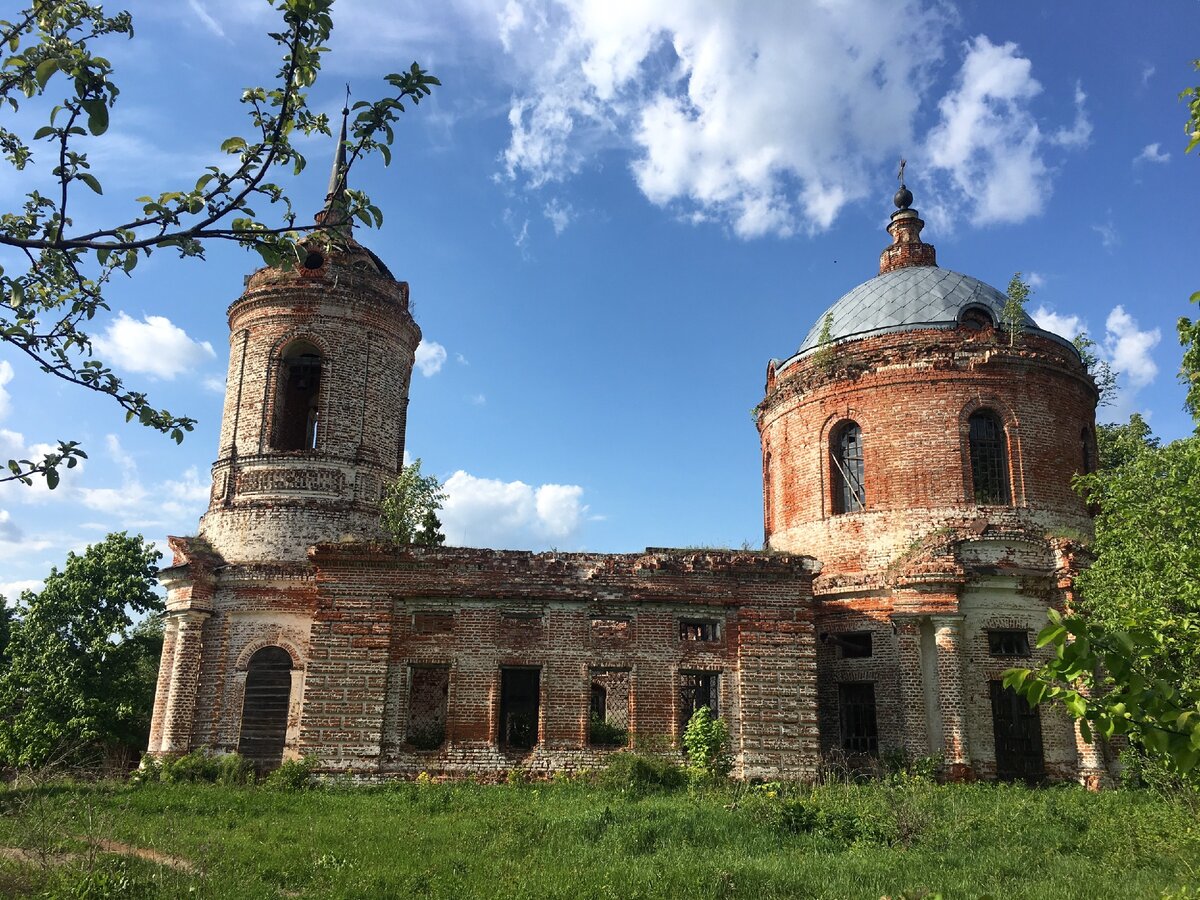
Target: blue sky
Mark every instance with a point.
(611, 216)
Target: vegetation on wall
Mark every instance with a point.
(409, 507)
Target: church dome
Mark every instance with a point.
(907, 299)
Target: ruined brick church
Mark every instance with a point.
(919, 522)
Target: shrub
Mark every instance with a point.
(602, 733)
(200, 767)
(706, 740)
(294, 774)
(636, 773)
(804, 816)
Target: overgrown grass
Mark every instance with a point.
(582, 840)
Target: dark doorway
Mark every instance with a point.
(265, 707)
(299, 396)
(520, 691)
(1018, 729)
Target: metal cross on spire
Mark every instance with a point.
(900, 174)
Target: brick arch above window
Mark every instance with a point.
(248, 651)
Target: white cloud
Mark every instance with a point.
(1035, 280)
(1128, 348)
(154, 346)
(559, 214)
(486, 512)
(431, 356)
(461, 360)
(6, 375)
(13, 589)
(987, 140)
(1109, 237)
(1079, 133)
(479, 399)
(1147, 73)
(216, 385)
(1152, 154)
(206, 18)
(705, 95)
(1065, 325)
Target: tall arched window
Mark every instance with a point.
(846, 457)
(297, 406)
(265, 707)
(989, 458)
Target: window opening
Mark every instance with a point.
(699, 630)
(1018, 731)
(976, 319)
(608, 718)
(297, 419)
(846, 453)
(1008, 643)
(696, 689)
(520, 697)
(428, 699)
(265, 707)
(1085, 452)
(989, 459)
(853, 644)
(856, 703)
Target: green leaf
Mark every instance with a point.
(90, 181)
(44, 131)
(233, 144)
(97, 111)
(45, 69)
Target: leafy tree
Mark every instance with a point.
(1013, 314)
(409, 507)
(7, 615)
(1189, 369)
(1100, 369)
(706, 741)
(81, 676)
(1119, 444)
(823, 357)
(46, 303)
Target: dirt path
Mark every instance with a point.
(32, 857)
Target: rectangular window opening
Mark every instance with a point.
(697, 689)
(608, 708)
(428, 697)
(853, 644)
(856, 702)
(1008, 643)
(699, 630)
(520, 699)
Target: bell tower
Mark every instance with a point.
(320, 361)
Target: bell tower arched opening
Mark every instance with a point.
(298, 402)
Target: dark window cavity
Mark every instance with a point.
(696, 689)
(699, 630)
(976, 319)
(265, 707)
(1087, 452)
(846, 456)
(853, 644)
(856, 704)
(520, 696)
(428, 696)
(989, 458)
(1008, 643)
(297, 408)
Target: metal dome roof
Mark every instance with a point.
(907, 299)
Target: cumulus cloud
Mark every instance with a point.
(1128, 347)
(987, 140)
(154, 346)
(1079, 133)
(431, 356)
(487, 512)
(13, 589)
(705, 95)
(1065, 325)
(1152, 154)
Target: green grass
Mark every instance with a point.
(579, 840)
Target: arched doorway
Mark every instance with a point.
(265, 707)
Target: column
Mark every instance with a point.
(914, 730)
(166, 665)
(951, 695)
(185, 673)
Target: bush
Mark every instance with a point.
(294, 774)
(636, 773)
(804, 816)
(602, 733)
(706, 740)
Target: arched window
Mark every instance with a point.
(846, 457)
(297, 406)
(989, 458)
(976, 318)
(265, 707)
(1086, 452)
